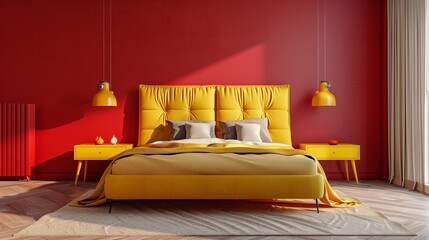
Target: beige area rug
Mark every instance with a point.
(212, 218)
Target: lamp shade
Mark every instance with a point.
(104, 97)
(323, 97)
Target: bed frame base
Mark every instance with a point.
(240, 187)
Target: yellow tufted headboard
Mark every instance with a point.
(159, 103)
(221, 103)
(258, 101)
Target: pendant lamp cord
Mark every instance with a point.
(324, 39)
(110, 43)
(103, 39)
(318, 42)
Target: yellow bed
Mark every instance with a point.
(216, 103)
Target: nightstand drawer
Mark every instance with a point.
(323, 151)
(102, 152)
(334, 153)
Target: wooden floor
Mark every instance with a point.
(22, 203)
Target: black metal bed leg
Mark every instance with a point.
(111, 203)
(317, 205)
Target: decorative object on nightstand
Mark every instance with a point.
(99, 140)
(113, 140)
(341, 151)
(90, 152)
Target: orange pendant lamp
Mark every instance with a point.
(323, 97)
(105, 97)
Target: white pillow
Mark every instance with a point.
(178, 131)
(248, 132)
(197, 130)
(229, 131)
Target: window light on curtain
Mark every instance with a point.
(406, 93)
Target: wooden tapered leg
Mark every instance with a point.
(85, 170)
(79, 165)
(346, 165)
(355, 171)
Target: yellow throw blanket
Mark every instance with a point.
(98, 196)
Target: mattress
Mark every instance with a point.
(215, 164)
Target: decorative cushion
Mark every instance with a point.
(197, 130)
(178, 130)
(248, 132)
(229, 131)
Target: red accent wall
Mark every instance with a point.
(51, 55)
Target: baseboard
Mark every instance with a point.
(361, 176)
(66, 176)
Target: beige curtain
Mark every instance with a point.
(406, 92)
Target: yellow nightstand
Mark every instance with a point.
(87, 152)
(346, 152)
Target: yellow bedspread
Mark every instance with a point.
(98, 197)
